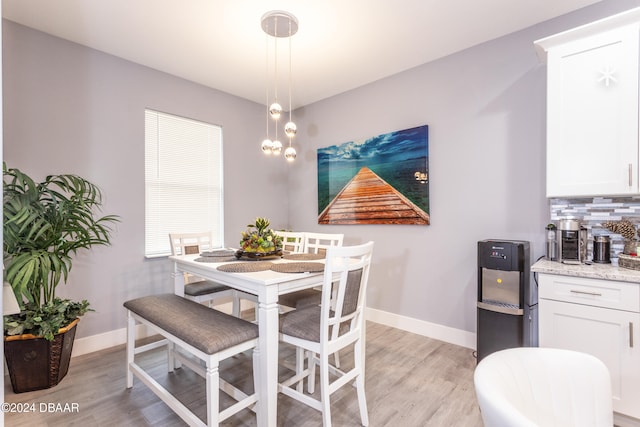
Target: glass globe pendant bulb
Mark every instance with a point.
(267, 146)
(290, 129)
(277, 147)
(275, 110)
(290, 154)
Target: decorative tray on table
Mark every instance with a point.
(258, 256)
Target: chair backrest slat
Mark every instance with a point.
(318, 243)
(190, 243)
(292, 241)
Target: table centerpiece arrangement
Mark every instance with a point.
(259, 241)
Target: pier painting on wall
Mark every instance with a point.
(379, 180)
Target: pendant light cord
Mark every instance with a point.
(290, 80)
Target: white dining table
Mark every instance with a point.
(266, 285)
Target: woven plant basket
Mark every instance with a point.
(630, 262)
(35, 363)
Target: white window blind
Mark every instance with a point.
(183, 180)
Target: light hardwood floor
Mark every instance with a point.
(411, 381)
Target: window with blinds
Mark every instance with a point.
(183, 180)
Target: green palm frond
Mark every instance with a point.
(44, 225)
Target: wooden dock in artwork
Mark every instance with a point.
(368, 199)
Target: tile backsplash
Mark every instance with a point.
(592, 212)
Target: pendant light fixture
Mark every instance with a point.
(279, 24)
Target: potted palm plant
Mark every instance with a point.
(44, 225)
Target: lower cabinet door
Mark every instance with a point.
(613, 336)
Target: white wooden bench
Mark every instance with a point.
(191, 330)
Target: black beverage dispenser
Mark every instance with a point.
(507, 303)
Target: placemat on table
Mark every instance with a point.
(305, 257)
(215, 258)
(246, 267)
(219, 253)
(298, 267)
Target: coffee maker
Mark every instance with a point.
(572, 242)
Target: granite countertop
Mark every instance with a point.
(593, 271)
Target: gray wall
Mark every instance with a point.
(485, 108)
(72, 109)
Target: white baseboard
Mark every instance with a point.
(421, 327)
(432, 330)
(105, 340)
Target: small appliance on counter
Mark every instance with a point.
(572, 242)
(601, 249)
(507, 303)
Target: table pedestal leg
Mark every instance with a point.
(268, 362)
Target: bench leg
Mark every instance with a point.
(212, 378)
(131, 343)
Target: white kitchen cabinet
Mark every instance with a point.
(599, 317)
(592, 108)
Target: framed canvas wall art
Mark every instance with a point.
(379, 180)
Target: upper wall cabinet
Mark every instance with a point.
(592, 108)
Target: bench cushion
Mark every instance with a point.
(206, 329)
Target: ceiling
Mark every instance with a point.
(340, 45)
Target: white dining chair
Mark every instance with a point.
(205, 291)
(337, 323)
(313, 243)
(292, 241)
(317, 244)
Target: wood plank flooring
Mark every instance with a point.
(411, 381)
